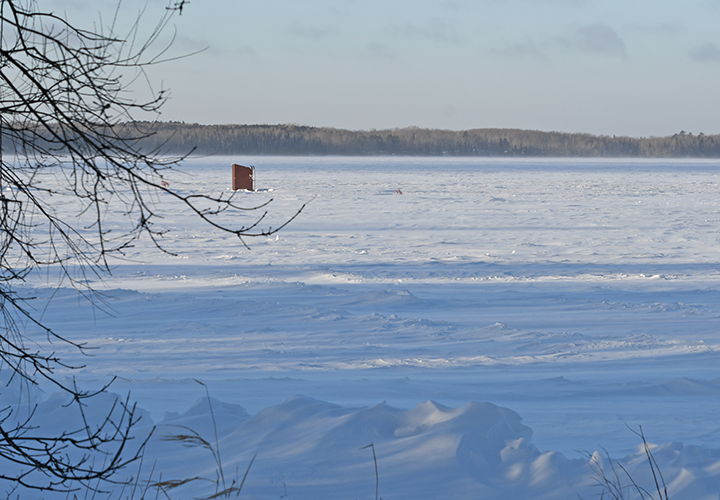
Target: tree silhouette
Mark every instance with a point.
(65, 160)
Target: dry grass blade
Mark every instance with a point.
(247, 471)
(610, 483)
(654, 468)
(192, 439)
(174, 483)
(216, 451)
(189, 440)
(377, 477)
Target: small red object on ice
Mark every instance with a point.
(243, 177)
(165, 183)
(398, 191)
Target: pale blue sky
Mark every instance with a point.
(625, 67)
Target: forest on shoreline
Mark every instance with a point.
(297, 140)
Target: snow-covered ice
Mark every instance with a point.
(487, 330)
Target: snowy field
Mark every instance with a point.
(486, 329)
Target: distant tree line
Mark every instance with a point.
(178, 137)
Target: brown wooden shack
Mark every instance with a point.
(243, 177)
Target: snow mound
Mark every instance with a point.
(308, 449)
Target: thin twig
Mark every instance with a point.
(377, 477)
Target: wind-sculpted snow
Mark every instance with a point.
(580, 295)
(308, 448)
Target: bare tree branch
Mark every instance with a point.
(70, 151)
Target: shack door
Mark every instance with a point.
(242, 177)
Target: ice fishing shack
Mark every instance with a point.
(243, 177)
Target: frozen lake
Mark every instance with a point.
(580, 293)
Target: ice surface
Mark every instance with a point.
(482, 329)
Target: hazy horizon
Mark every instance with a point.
(638, 69)
(410, 127)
